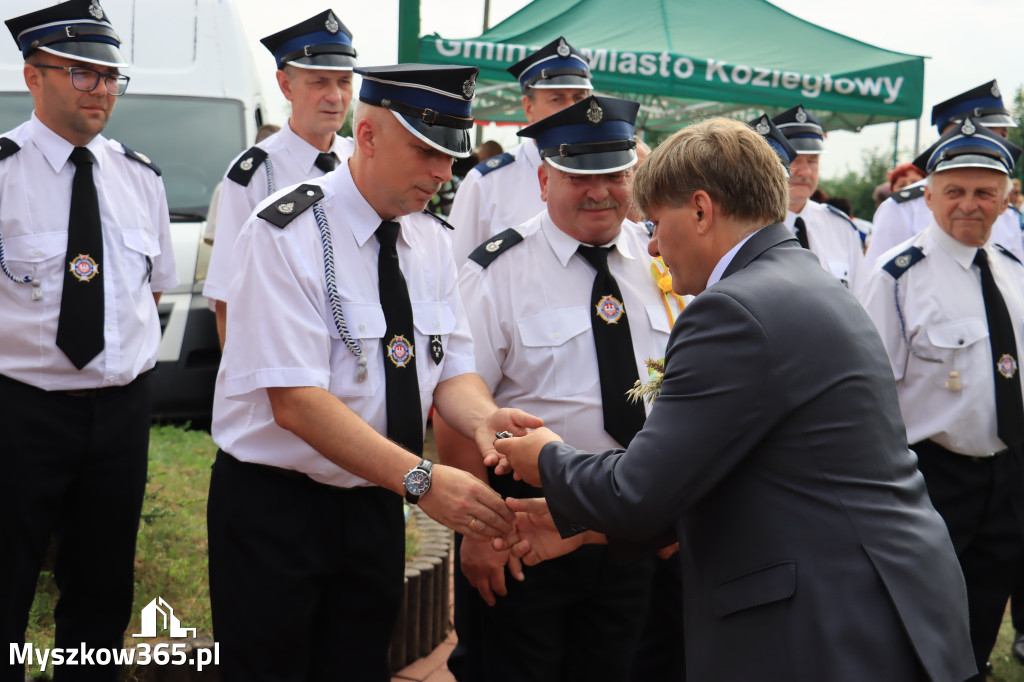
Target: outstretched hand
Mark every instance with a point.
(536, 539)
(521, 454)
(466, 504)
(512, 420)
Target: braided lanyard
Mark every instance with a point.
(37, 293)
(332, 292)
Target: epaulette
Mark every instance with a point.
(485, 254)
(291, 205)
(903, 262)
(1006, 252)
(439, 219)
(494, 163)
(141, 158)
(842, 214)
(8, 147)
(908, 194)
(246, 166)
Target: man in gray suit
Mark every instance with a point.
(775, 453)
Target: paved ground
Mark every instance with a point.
(433, 668)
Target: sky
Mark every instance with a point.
(968, 43)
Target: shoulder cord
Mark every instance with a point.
(903, 328)
(37, 293)
(271, 183)
(332, 292)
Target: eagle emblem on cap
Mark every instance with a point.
(332, 24)
(762, 127)
(595, 114)
(95, 10)
(468, 88)
(562, 49)
(801, 115)
(968, 128)
(286, 209)
(995, 91)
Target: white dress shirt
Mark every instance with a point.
(281, 331)
(894, 223)
(292, 161)
(834, 240)
(488, 203)
(138, 259)
(944, 317)
(530, 312)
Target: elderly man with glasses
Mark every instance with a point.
(85, 251)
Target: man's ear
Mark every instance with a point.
(33, 76)
(365, 135)
(543, 177)
(284, 82)
(704, 211)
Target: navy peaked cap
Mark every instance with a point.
(591, 137)
(764, 127)
(969, 145)
(802, 129)
(984, 104)
(320, 42)
(77, 29)
(556, 65)
(434, 103)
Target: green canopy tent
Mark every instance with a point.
(684, 60)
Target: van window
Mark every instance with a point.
(191, 139)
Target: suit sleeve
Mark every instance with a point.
(717, 403)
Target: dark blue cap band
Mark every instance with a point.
(374, 90)
(309, 39)
(584, 132)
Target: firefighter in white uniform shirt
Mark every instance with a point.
(825, 230)
(344, 326)
(905, 213)
(503, 191)
(949, 304)
(314, 59)
(85, 250)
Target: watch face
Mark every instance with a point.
(417, 482)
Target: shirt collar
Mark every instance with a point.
(716, 274)
(565, 246)
(303, 152)
(56, 150)
(958, 251)
(360, 216)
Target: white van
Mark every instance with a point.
(193, 104)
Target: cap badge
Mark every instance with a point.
(762, 128)
(595, 114)
(493, 246)
(83, 267)
(95, 10)
(562, 49)
(801, 115)
(968, 128)
(246, 165)
(286, 209)
(609, 309)
(332, 24)
(902, 261)
(400, 351)
(1007, 366)
(468, 88)
(995, 91)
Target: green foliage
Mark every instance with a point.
(1017, 134)
(858, 186)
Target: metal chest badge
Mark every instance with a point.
(83, 267)
(609, 309)
(1007, 366)
(399, 351)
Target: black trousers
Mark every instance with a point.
(305, 578)
(977, 498)
(74, 470)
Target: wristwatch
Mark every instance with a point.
(417, 481)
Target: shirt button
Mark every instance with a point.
(110, 379)
(557, 335)
(362, 327)
(110, 328)
(961, 342)
(37, 252)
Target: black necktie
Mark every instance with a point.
(80, 325)
(800, 227)
(402, 388)
(1009, 405)
(615, 359)
(326, 161)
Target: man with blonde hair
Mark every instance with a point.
(774, 454)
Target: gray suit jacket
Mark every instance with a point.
(777, 455)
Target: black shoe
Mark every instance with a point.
(1018, 647)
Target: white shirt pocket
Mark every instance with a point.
(958, 343)
(38, 256)
(431, 319)
(366, 325)
(560, 345)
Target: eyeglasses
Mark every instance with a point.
(86, 80)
